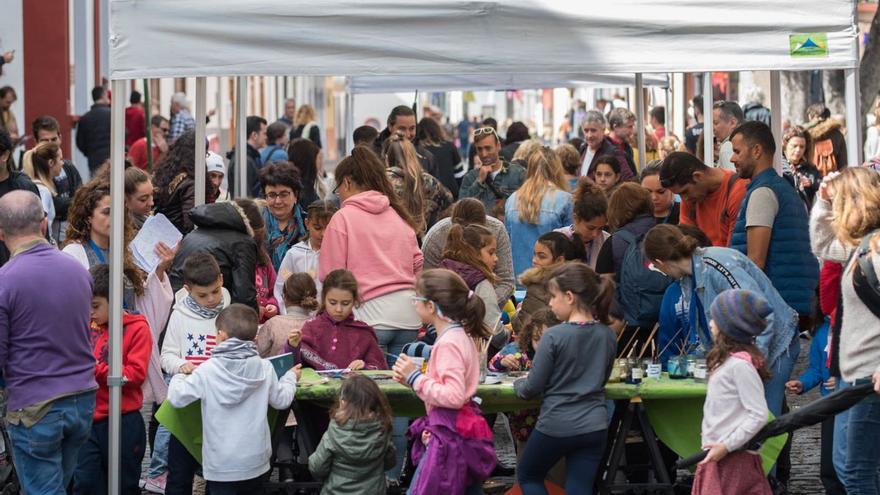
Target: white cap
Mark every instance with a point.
(180, 99)
(214, 163)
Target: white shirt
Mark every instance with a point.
(588, 159)
(301, 258)
(735, 408)
(46, 200)
(724, 155)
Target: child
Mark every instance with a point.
(735, 408)
(574, 419)
(356, 449)
(190, 337)
(589, 219)
(817, 373)
(607, 174)
(264, 273)
(463, 455)
(137, 342)
(551, 250)
(235, 387)
(300, 298)
(518, 356)
(470, 252)
(334, 339)
(303, 256)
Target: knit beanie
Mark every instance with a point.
(740, 314)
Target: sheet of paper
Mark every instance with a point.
(156, 229)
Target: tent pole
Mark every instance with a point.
(241, 137)
(853, 119)
(117, 250)
(776, 117)
(148, 117)
(201, 124)
(640, 119)
(708, 131)
(679, 97)
(349, 117)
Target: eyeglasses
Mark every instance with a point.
(418, 299)
(284, 195)
(338, 185)
(482, 131)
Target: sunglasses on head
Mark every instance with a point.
(482, 131)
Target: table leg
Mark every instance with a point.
(621, 425)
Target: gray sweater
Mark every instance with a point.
(860, 329)
(435, 242)
(570, 369)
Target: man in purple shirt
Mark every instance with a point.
(45, 353)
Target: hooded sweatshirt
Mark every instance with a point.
(235, 387)
(352, 458)
(328, 344)
(367, 237)
(189, 337)
(137, 344)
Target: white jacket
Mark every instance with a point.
(188, 336)
(300, 258)
(235, 387)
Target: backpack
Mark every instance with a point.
(823, 157)
(865, 281)
(639, 289)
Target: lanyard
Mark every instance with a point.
(97, 251)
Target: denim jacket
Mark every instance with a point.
(716, 269)
(555, 213)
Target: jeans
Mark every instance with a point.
(244, 487)
(827, 472)
(92, 466)
(182, 467)
(159, 449)
(583, 454)
(863, 447)
(45, 454)
(840, 432)
(392, 342)
(780, 371)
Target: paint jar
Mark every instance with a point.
(654, 371)
(618, 371)
(691, 365)
(677, 367)
(701, 371)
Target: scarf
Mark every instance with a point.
(280, 241)
(206, 313)
(233, 348)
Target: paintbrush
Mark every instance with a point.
(650, 339)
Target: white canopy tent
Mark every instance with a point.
(404, 38)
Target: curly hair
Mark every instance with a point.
(180, 160)
(79, 228)
(534, 324)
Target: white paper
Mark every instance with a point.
(156, 229)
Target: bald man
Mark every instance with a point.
(45, 354)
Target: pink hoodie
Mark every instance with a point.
(367, 237)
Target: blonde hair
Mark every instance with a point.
(543, 175)
(38, 161)
(525, 149)
(400, 153)
(304, 115)
(855, 203)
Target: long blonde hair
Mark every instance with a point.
(543, 175)
(401, 153)
(304, 115)
(855, 203)
(525, 150)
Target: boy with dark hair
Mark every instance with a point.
(137, 344)
(365, 134)
(235, 387)
(190, 338)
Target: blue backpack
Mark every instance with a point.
(639, 289)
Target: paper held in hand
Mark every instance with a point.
(156, 229)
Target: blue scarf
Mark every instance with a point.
(280, 241)
(206, 313)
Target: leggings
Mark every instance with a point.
(583, 454)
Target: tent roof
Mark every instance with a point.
(174, 38)
(477, 82)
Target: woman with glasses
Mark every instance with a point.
(374, 237)
(283, 215)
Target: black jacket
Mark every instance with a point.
(93, 135)
(426, 158)
(446, 158)
(17, 181)
(176, 202)
(254, 164)
(224, 233)
(66, 187)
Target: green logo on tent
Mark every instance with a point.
(808, 45)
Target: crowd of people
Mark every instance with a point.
(550, 261)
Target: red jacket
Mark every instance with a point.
(327, 344)
(829, 288)
(137, 344)
(135, 125)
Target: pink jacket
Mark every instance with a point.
(453, 371)
(368, 238)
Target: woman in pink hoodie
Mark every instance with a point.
(374, 237)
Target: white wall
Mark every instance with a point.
(12, 38)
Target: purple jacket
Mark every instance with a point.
(471, 275)
(460, 451)
(45, 301)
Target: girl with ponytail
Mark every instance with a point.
(704, 273)
(573, 421)
(447, 388)
(470, 252)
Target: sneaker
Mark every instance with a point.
(141, 483)
(157, 484)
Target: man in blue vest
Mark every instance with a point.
(772, 228)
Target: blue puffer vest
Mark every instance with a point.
(790, 264)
